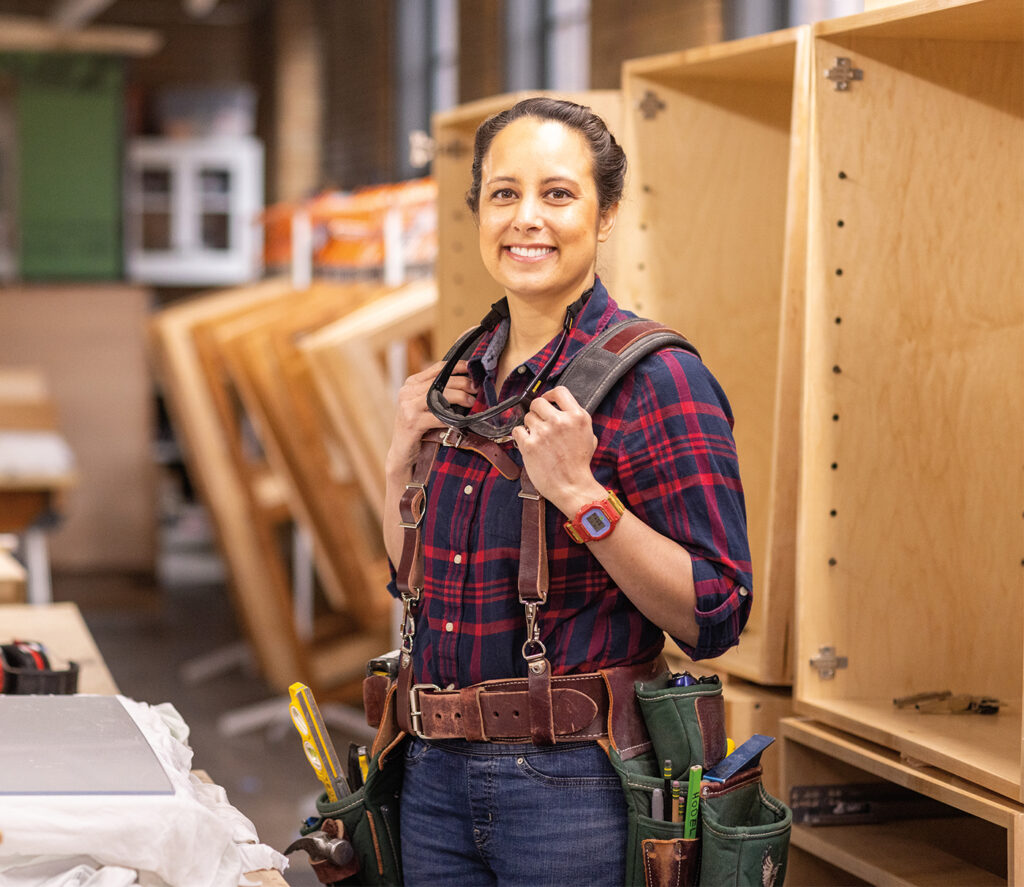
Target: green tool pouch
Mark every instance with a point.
(369, 817)
(686, 725)
(745, 833)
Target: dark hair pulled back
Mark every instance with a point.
(609, 160)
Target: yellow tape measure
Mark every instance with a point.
(315, 742)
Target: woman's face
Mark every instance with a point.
(539, 216)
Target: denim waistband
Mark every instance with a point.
(492, 749)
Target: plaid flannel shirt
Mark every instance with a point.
(665, 447)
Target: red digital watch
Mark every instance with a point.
(595, 520)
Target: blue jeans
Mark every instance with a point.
(479, 813)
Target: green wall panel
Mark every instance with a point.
(70, 114)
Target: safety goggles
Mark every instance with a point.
(495, 423)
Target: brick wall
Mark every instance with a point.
(481, 56)
(359, 117)
(624, 29)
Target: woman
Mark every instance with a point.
(670, 553)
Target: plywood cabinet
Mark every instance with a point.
(911, 539)
(713, 244)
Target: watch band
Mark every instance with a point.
(595, 520)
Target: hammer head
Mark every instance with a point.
(333, 852)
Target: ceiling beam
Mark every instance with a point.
(24, 34)
(70, 15)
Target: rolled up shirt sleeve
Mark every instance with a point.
(680, 474)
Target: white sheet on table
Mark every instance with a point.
(34, 454)
(193, 838)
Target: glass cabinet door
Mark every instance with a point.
(215, 190)
(155, 207)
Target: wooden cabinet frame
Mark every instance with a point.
(910, 531)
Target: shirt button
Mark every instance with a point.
(449, 626)
(521, 370)
(467, 489)
(743, 592)
(457, 558)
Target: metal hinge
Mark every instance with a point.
(843, 73)
(826, 663)
(650, 105)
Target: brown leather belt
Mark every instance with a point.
(499, 711)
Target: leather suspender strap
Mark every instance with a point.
(470, 440)
(409, 575)
(533, 593)
(533, 546)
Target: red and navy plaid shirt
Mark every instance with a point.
(665, 447)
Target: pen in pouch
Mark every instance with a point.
(666, 772)
(692, 802)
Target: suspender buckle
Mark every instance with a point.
(415, 715)
(413, 524)
(448, 442)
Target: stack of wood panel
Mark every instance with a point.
(283, 403)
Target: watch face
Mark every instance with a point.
(595, 523)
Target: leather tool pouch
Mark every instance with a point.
(370, 815)
(687, 726)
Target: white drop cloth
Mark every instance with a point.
(193, 838)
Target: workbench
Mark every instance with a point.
(61, 628)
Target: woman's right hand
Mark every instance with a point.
(413, 419)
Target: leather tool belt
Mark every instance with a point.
(584, 707)
(497, 711)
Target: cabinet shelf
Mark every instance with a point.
(908, 855)
(980, 843)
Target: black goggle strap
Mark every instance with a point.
(436, 401)
(479, 422)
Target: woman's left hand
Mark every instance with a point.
(557, 442)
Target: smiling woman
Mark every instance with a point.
(540, 223)
(572, 603)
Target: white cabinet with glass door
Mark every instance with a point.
(193, 210)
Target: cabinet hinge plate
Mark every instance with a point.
(650, 105)
(843, 73)
(827, 662)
